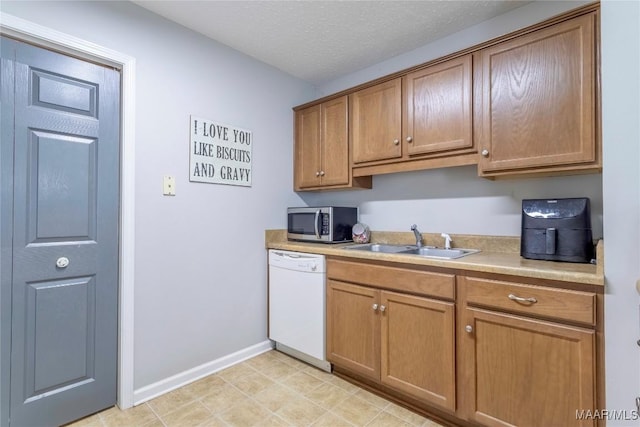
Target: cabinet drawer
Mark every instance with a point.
(561, 304)
(400, 279)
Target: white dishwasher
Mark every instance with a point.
(297, 305)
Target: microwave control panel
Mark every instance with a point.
(325, 225)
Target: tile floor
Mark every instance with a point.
(271, 389)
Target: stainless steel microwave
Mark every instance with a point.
(326, 224)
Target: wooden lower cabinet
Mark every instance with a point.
(353, 328)
(522, 362)
(403, 341)
(418, 347)
(474, 351)
(524, 372)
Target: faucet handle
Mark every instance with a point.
(447, 240)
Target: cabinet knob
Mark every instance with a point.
(318, 173)
(409, 139)
(468, 328)
(321, 173)
(383, 308)
(375, 307)
(485, 153)
(396, 141)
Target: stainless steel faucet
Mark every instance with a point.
(414, 228)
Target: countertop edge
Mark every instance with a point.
(485, 262)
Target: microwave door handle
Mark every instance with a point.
(315, 226)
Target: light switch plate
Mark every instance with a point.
(169, 187)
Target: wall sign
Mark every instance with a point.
(219, 154)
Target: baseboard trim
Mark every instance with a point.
(159, 388)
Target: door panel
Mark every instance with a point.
(59, 360)
(65, 207)
(64, 94)
(55, 190)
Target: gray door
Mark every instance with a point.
(61, 203)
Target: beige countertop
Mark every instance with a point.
(500, 255)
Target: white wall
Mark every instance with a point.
(457, 201)
(200, 261)
(621, 184)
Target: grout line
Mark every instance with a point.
(299, 369)
(156, 414)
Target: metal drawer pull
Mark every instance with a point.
(375, 307)
(516, 298)
(383, 308)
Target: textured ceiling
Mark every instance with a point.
(318, 41)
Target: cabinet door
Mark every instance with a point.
(335, 142)
(538, 99)
(353, 328)
(526, 372)
(418, 347)
(307, 147)
(376, 122)
(438, 108)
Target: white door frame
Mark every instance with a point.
(36, 34)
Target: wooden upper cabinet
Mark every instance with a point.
(376, 122)
(526, 104)
(334, 149)
(307, 147)
(322, 147)
(428, 125)
(438, 107)
(537, 109)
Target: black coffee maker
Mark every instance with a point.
(557, 230)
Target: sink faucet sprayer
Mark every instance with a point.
(447, 240)
(414, 228)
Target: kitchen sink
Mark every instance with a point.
(425, 251)
(441, 253)
(384, 248)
